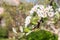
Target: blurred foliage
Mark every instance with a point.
(25, 7)
(41, 35)
(10, 15)
(54, 5)
(3, 32)
(13, 12)
(44, 2)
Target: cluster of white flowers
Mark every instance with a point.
(43, 11)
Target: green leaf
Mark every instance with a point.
(26, 30)
(34, 20)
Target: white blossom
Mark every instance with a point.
(14, 30)
(51, 14)
(59, 9)
(41, 14)
(1, 10)
(50, 22)
(31, 12)
(41, 7)
(50, 8)
(53, 27)
(27, 21)
(59, 35)
(12, 2)
(36, 6)
(3, 23)
(21, 28)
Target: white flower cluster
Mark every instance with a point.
(43, 11)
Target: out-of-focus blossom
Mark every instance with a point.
(49, 8)
(42, 11)
(14, 30)
(1, 10)
(59, 34)
(51, 14)
(21, 28)
(59, 9)
(31, 12)
(27, 21)
(12, 2)
(3, 23)
(41, 7)
(53, 27)
(16, 2)
(59, 37)
(50, 22)
(36, 6)
(34, 9)
(41, 14)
